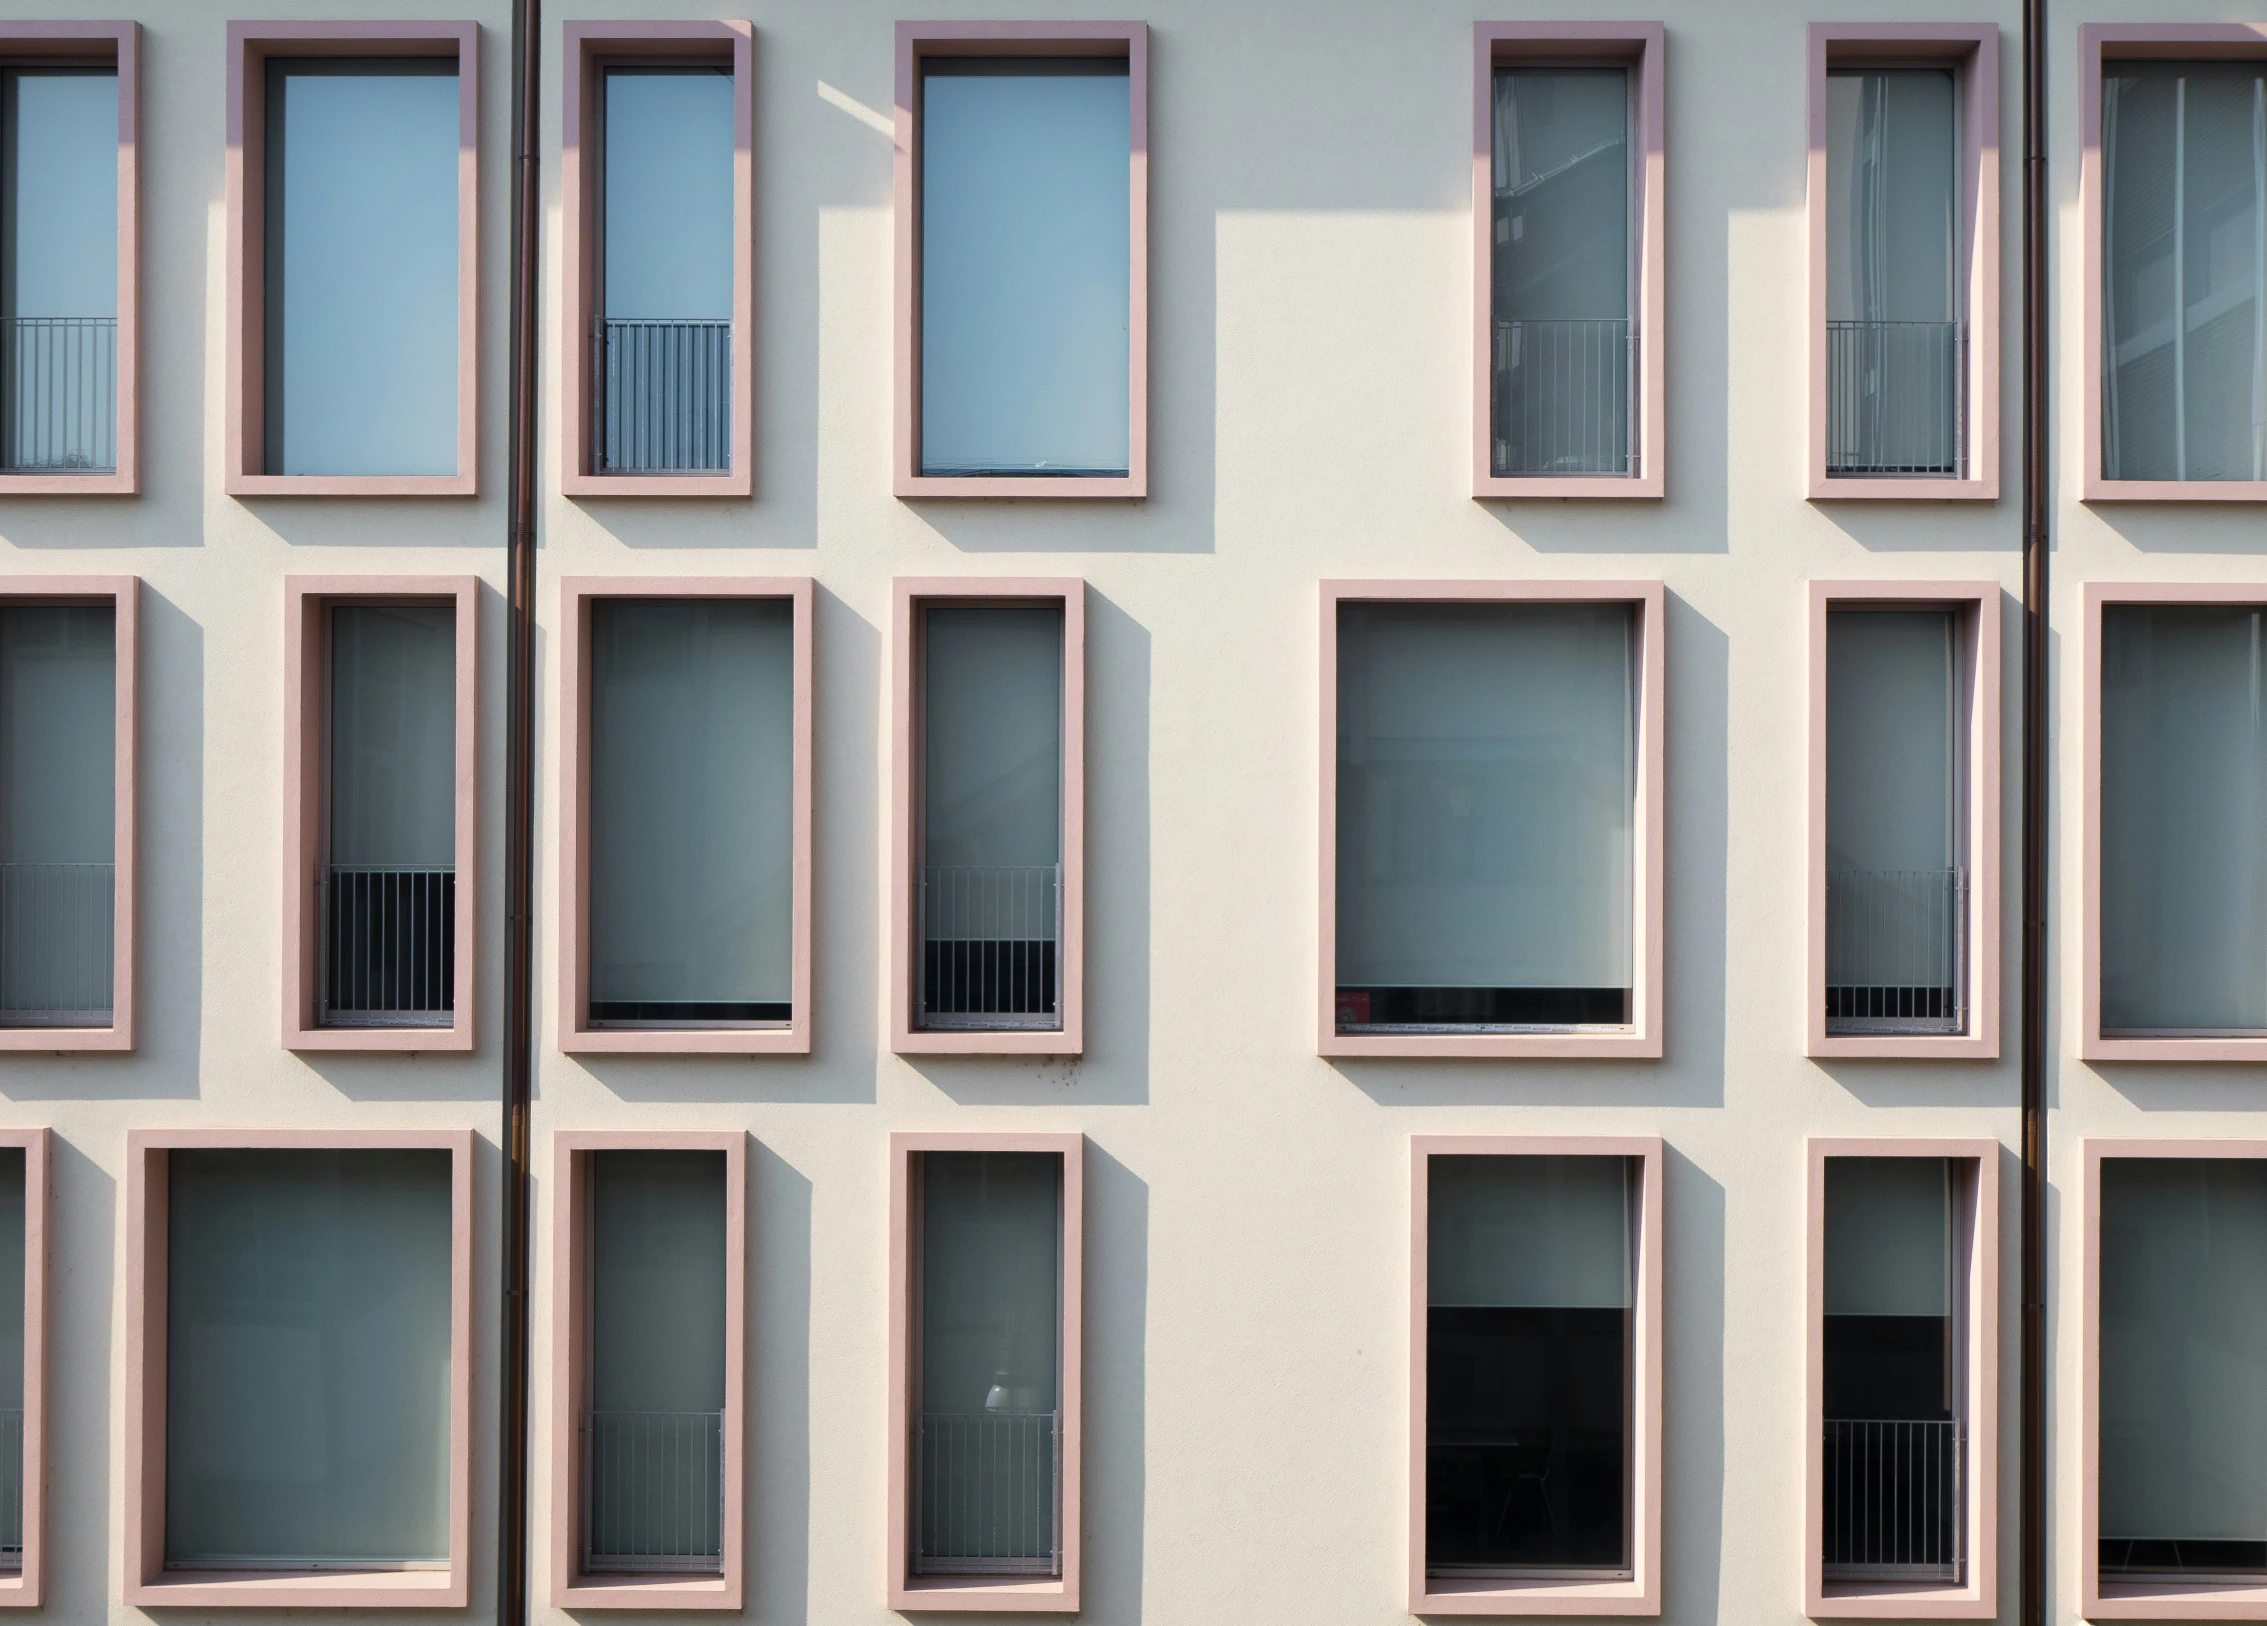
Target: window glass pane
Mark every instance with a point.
(58, 812)
(655, 1434)
(992, 815)
(692, 811)
(1530, 1262)
(307, 1358)
(2184, 194)
(1487, 785)
(1896, 888)
(988, 1444)
(361, 294)
(2184, 820)
(1561, 268)
(2183, 1399)
(12, 1217)
(1026, 255)
(59, 267)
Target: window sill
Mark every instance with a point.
(17, 1592)
(1911, 1046)
(657, 485)
(1862, 489)
(1017, 485)
(350, 485)
(2100, 490)
(52, 484)
(1900, 1600)
(1633, 1046)
(66, 1039)
(961, 1594)
(2094, 1047)
(1586, 486)
(457, 1037)
(648, 1592)
(2160, 1600)
(1446, 1595)
(987, 1042)
(301, 1589)
(792, 1040)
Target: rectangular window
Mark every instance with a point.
(24, 1158)
(15, 1217)
(1022, 283)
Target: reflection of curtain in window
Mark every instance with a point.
(1893, 185)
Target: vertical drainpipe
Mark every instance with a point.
(519, 828)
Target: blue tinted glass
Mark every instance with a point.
(669, 193)
(1025, 255)
(60, 191)
(361, 267)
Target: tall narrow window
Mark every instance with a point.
(692, 813)
(361, 287)
(308, 1359)
(58, 269)
(388, 885)
(990, 902)
(662, 349)
(1896, 344)
(1894, 1374)
(2182, 1402)
(1530, 1271)
(2184, 253)
(653, 1434)
(1896, 877)
(987, 1447)
(1487, 812)
(13, 1217)
(58, 814)
(2183, 786)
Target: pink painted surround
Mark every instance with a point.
(307, 600)
(1976, 1240)
(250, 44)
(148, 1583)
(571, 1588)
(27, 1587)
(1643, 1040)
(590, 47)
(1643, 47)
(1979, 606)
(29, 44)
(1640, 1594)
(2097, 43)
(575, 1033)
(912, 595)
(123, 594)
(980, 1594)
(926, 39)
(1972, 51)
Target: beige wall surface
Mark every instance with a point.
(1247, 1330)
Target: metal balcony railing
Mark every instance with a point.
(388, 941)
(985, 1493)
(57, 927)
(59, 390)
(662, 397)
(1894, 1508)
(11, 1491)
(991, 946)
(653, 1491)
(1561, 396)
(1896, 399)
(1896, 951)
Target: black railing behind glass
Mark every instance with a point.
(662, 402)
(59, 389)
(389, 940)
(1561, 396)
(57, 944)
(1895, 401)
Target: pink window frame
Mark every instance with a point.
(1978, 605)
(2097, 43)
(1641, 46)
(926, 39)
(123, 595)
(29, 45)
(2093, 1044)
(250, 44)
(913, 594)
(306, 671)
(1640, 1594)
(1977, 1214)
(1971, 50)
(27, 1588)
(571, 1586)
(2133, 1600)
(981, 1594)
(591, 47)
(576, 1036)
(148, 1583)
(1643, 1041)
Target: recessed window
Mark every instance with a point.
(2184, 162)
(59, 395)
(1896, 824)
(1486, 818)
(13, 1213)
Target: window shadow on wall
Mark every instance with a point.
(1114, 1485)
(776, 1444)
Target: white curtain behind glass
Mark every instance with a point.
(990, 1273)
(992, 747)
(58, 733)
(691, 801)
(393, 736)
(657, 1281)
(1487, 782)
(2184, 226)
(1529, 1232)
(1891, 739)
(2184, 819)
(307, 1358)
(1026, 256)
(668, 193)
(1892, 184)
(2183, 1401)
(1888, 1236)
